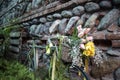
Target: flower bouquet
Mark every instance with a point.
(82, 46)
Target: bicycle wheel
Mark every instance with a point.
(77, 73)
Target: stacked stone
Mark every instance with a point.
(12, 10)
(15, 8)
(103, 16)
(83, 12)
(15, 45)
(104, 21)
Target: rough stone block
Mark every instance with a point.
(54, 26)
(65, 54)
(91, 7)
(91, 21)
(43, 20)
(50, 18)
(107, 67)
(117, 74)
(15, 41)
(112, 28)
(15, 34)
(57, 16)
(79, 10)
(66, 14)
(105, 4)
(115, 43)
(62, 25)
(33, 28)
(14, 49)
(113, 36)
(99, 35)
(108, 19)
(114, 53)
(71, 23)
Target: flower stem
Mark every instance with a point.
(86, 65)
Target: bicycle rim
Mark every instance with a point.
(78, 74)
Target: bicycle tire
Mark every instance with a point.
(74, 74)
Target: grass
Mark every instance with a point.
(12, 70)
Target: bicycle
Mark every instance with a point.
(52, 50)
(72, 70)
(54, 55)
(31, 57)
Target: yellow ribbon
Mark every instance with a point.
(48, 48)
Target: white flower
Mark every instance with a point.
(81, 34)
(89, 38)
(79, 28)
(83, 40)
(82, 46)
(87, 30)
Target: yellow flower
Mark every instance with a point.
(89, 49)
(48, 48)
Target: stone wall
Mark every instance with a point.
(11, 9)
(103, 16)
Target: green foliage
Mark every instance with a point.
(75, 33)
(61, 71)
(7, 29)
(75, 40)
(11, 70)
